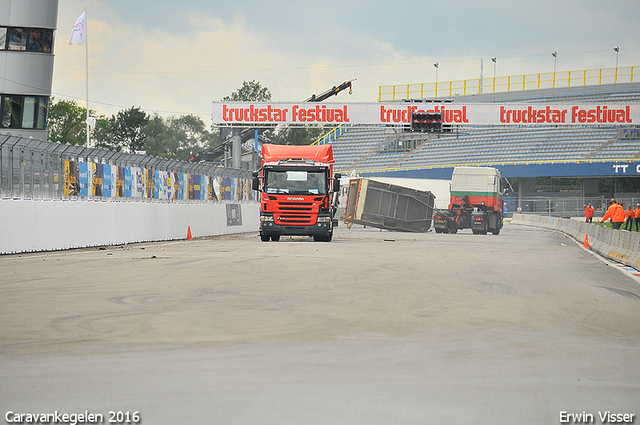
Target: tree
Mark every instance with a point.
(127, 128)
(159, 139)
(299, 135)
(251, 91)
(101, 135)
(66, 122)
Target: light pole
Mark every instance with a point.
(494, 60)
(617, 50)
(555, 56)
(436, 66)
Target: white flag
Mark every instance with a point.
(78, 34)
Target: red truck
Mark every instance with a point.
(298, 192)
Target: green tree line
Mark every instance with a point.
(174, 137)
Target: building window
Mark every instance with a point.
(26, 39)
(26, 112)
(17, 39)
(3, 38)
(43, 102)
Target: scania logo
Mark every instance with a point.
(291, 198)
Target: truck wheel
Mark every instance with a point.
(496, 231)
(264, 238)
(275, 238)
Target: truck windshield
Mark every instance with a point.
(296, 182)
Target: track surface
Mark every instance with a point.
(372, 328)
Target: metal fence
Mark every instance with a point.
(565, 207)
(41, 170)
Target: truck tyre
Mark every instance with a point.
(264, 238)
(275, 238)
(496, 231)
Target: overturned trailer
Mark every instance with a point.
(388, 206)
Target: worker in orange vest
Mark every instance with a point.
(588, 213)
(628, 225)
(636, 216)
(615, 213)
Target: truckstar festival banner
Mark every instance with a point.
(252, 113)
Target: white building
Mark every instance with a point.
(27, 30)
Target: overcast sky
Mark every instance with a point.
(176, 57)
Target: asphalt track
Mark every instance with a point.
(372, 328)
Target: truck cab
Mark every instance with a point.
(475, 203)
(298, 194)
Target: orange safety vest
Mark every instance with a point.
(637, 213)
(616, 213)
(630, 213)
(588, 212)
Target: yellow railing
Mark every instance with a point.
(628, 74)
(332, 135)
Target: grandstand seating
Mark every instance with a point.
(361, 147)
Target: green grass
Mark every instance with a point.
(608, 224)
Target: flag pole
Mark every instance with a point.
(86, 44)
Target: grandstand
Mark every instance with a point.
(519, 151)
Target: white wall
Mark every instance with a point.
(29, 226)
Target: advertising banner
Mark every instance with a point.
(173, 184)
(251, 113)
(138, 182)
(128, 182)
(98, 179)
(108, 187)
(184, 186)
(196, 186)
(71, 178)
(85, 181)
(120, 182)
(150, 181)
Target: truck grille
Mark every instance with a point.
(296, 213)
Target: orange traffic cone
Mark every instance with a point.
(586, 241)
(189, 237)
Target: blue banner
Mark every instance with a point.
(128, 182)
(84, 178)
(107, 185)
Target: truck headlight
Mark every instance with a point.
(264, 218)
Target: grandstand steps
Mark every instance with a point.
(375, 149)
(593, 154)
(410, 153)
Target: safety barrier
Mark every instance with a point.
(56, 196)
(542, 80)
(42, 170)
(34, 226)
(617, 245)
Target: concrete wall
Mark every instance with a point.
(618, 245)
(29, 226)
